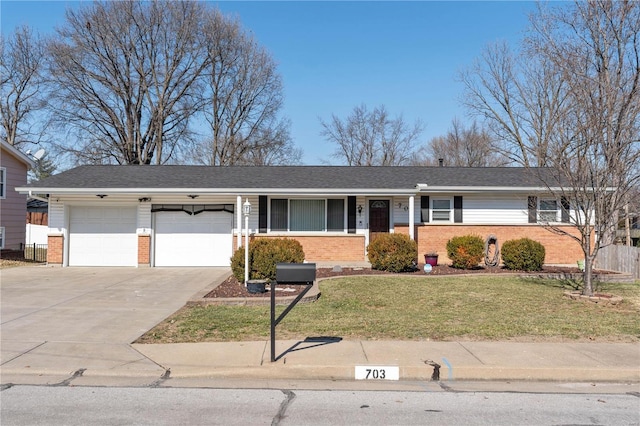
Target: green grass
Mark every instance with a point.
(420, 308)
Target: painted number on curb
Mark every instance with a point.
(376, 372)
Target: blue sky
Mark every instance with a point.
(336, 55)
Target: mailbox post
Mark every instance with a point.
(292, 274)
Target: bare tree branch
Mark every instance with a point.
(462, 147)
(127, 75)
(574, 106)
(372, 138)
(22, 62)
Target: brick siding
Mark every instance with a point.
(559, 249)
(144, 250)
(330, 248)
(55, 249)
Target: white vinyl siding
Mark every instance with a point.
(144, 218)
(56, 217)
(498, 210)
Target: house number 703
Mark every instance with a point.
(375, 372)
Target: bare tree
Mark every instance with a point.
(372, 138)
(595, 48)
(520, 97)
(583, 116)
(126, 74)
(22, 60)
(243, 99)
(462, 147)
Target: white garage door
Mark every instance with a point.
(203, 239)
(103, 236)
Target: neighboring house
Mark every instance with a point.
(14, 166)
(192, 215)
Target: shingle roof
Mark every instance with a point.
(287, 177)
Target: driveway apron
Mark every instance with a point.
(75, 317)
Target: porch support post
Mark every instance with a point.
(239, 220)
(412, 217)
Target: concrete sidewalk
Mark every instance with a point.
(328, 359)
(457, 360)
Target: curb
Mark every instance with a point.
(346, 373)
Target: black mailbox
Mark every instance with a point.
(295, 273)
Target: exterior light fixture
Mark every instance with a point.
(101, 196)
(359, 209)
(193, 196)
(144, 199)
(246, 210)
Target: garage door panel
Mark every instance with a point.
(103, 236)
(182, 239)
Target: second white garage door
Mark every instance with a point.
(203, 239)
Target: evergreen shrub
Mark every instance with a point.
(264, 255)
(465, 251)
(523, 254)
(393, 253)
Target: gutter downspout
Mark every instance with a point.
(36, 197)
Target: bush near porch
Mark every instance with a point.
(393, 253)
(264, 255)
(465, 251)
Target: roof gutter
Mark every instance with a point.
(423, 187)
(221, 191)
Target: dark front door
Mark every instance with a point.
(378, 218)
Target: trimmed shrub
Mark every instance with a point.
(465, 251)
(524, 254)
(264, 255)
(393, 253)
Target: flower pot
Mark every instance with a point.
(256, 286)
(431, 259)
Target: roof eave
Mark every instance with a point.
(217, 191)
(19, 155)
(424, 188)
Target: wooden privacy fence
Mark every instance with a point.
(620, 258)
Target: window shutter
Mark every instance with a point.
(351, 214)
(262, 214)
(457, 209)
(564, 203)
(532, 203)
(424, 208)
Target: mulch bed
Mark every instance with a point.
(232, 288)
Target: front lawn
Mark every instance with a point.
(420, 308)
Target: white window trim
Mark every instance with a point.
(2, 237)
(3, 181)
(431, 209)
(326, 214)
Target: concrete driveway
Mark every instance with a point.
(51, 314)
